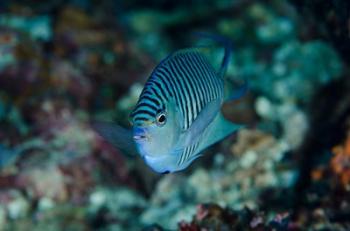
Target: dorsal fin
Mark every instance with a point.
(228, 49)
(220, 39)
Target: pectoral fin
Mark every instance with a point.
(116, 135)
(199, 125)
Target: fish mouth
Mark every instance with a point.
(140, 134)
(140, 137)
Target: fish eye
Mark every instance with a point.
(161, 119)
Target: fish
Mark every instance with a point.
(178, 114)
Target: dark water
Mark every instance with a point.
(64, 64)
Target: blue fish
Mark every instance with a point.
(178, 113)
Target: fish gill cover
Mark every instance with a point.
(64, 64)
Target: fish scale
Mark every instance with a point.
(187, 153)
(189, 78)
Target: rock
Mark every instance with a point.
(38, 27)
(18, 207)
(3, 218)
(46, 203)
(295, 124)
(111, 204)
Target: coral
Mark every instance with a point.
(8, 42)
(38, 27)
(115, 205)
(329, 21)
(293, 75)
(340, 163)
(293, 121)
(214, 217)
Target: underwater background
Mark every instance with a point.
(66, 63)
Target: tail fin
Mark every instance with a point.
(228, 49)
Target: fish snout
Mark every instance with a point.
(140, 137)
(140, 134)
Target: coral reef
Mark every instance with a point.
(64, 64)
(214, 217)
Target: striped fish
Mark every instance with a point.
(188, 79)
(178, 113)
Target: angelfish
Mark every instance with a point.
(178, 113)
